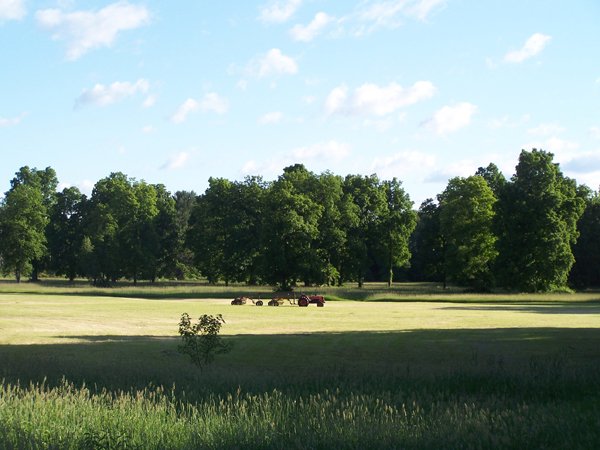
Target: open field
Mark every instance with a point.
(504, 371)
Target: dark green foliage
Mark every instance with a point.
(586, 271)
(427, 244)
(466, 219)
(23, 221)
(538, 213)
(201, 341)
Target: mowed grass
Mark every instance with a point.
(82, 371)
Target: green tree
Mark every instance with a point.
(538, 213)
(23, 220)
(369, 206)
(586, 270)
(65, 232)
(428, 245)
(46, 182)
(290, 228)
(397, 223)
(184, 256)
(466, 223)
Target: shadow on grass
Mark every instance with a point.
(589, 307)
(369, 361)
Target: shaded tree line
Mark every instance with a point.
(536, 231)
(300, 228)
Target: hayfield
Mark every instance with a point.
(425, 370)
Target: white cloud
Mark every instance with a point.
(546, 129)
(452, 118)
(149, 101)
(584, 163)
(390, 13)
(211, 102)
(6, 122)
(274, 62)
(306, 33)
(371, 99)
(534, 45)
(86, 187)
(87, 30)
(270, 118)
(215, 103)
(321, 154)
(147, 129)
(103, 95)
(187, 107)
(331, 150)
(402, 164)
(12, 9)
(595, 132)
(279, 11)
(176, 161)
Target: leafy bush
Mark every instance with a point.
(201, 341)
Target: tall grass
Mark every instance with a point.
(537, 408)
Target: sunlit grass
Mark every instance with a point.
(84, 371)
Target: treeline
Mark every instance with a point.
(537, 231)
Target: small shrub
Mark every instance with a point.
(201, 341)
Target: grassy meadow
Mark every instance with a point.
(408, 367)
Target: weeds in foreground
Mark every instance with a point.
(541, 407)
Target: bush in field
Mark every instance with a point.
(201, 341)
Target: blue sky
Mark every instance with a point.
(176, 92)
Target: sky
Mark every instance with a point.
(177, 92)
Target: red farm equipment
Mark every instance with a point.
(279, 299)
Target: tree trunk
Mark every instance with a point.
(18, 275)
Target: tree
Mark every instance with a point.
(369, 204)
(397, 223)
(201, 341)
(46, 182)
(538, 213)
(586, 270)
(184, 257)
(290, 228)
(65, 232)
(493, 177)
(466, 224)
(23, 221)
(428, 245)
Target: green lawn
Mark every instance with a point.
(450, 371)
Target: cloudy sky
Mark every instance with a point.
(176, 92)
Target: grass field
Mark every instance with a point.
(447, 370)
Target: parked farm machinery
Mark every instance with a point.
(279, 299)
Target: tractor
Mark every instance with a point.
(305, 300)
(242, 301)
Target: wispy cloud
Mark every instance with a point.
(534, 45)
(270, 118)
(176, 161)
(103, 95)
(279, 11)
(371, 99)
(211, 102)
(306, 33)
(6, 122)
(87, 30)
(12, 10)
(320, 154)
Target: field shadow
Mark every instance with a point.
(589, 307)
(265, 362)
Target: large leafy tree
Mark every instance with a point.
(369, 206)
(586, 271)
(290, 228)
(65, 232)
(466, 224)
(398, 221)
(108, 228)
(23, 220)
(46, 182)
(427, 244)
(538, 213)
